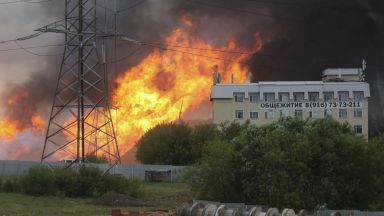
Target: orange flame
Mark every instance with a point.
(38, 123)
(8, 129)
(169, 80)
(12, 123)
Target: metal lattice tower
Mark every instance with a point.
(80, 123)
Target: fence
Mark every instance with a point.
(8, 167)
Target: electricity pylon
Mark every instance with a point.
(81, 94)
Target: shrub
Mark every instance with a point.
(10, 185)
(120, 184)
(135, 187)
(39, 181)
(87, 182)
(65, 181)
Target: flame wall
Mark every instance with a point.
(167, 82)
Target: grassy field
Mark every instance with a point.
(157, 196)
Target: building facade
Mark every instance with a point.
(342, 94)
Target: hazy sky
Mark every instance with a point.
(21, 19)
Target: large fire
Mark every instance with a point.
(170, 81)
(9, 127)
(173, 79)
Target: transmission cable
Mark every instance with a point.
(26, 49)
(24, 1)
(124, 9)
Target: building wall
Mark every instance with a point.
(224, 108)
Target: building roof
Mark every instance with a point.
(226, 90)
(341, 71)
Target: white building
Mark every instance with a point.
(343, 95)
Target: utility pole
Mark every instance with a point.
(81, 94)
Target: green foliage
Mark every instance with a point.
(65, 182)
(10, 185)
(86, 182)
(200, 137)
(89, 182)
(168, 143)
(39, 181)
(215, 176)
(292, 163)
(376, 151)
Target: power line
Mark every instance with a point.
(24, 1)
(165, 45)
(229, 8)
(132, 6)
(294, 4)
(124, 9)
(31, 47)
(22, 38)
(26, 49)
(126, 56)
(199, 48)
(195, 54)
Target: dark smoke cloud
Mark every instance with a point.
(327, 34)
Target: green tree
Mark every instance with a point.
(167, 143)
(293, 163)
(214, 176)
(275, 158)
(201, 135)
(339, 166)
(376, 152)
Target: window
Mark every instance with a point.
(253, 115)
(327, 113)
(358, 113)
(328, 96)
(313, 114)
(269, 114)
(343, 96)
(239, 96)
(284, 113)
(313, 96)
(283, 97)
(239, 114)
(299, 113)
(358, 129)
(269, 97)
(343, 113)
(358, 95)
(298, 96)
(254, 97)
